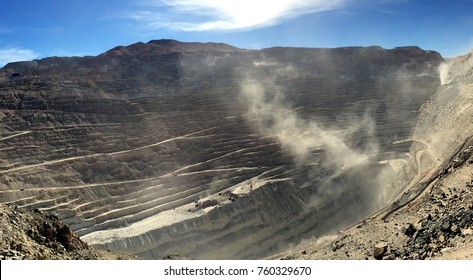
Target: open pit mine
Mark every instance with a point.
(212, 152)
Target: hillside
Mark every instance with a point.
(210, 151)
(35, 235)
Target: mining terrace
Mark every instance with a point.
(210, 151)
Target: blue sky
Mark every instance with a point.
(32, 29)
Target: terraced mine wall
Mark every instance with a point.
(445, 121)
(211, 151)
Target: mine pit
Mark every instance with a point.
(234, 160)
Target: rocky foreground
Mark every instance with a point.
(35, 235)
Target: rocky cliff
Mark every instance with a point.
(211, 151)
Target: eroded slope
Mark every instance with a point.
(433, 218)
(210, 151)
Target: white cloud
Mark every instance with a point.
(15, 54)
(232, 14)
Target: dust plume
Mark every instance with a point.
(271, 115)
(444, 73)
(343, 180)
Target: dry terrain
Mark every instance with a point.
(208, 151)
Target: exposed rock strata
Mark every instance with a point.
(122, 145)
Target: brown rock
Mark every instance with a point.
(379, 250)
(441, 238)
(454, 228)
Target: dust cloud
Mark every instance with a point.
(271, 115)
(342, 170)
(444, 73)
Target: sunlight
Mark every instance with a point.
(227, 15)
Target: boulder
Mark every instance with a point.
(380, 250)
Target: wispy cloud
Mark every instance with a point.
(15, 54)
(229, 15)
(4, 30)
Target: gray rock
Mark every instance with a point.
(445, 226)
(337, 245)
(410, 230)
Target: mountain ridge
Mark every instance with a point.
(167, 46)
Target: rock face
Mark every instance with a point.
(34, 235)
(210, 151)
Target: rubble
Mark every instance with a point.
(34, 235)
